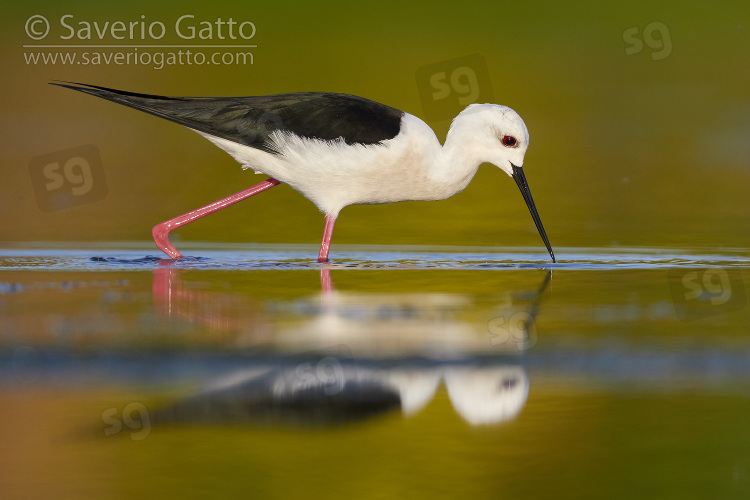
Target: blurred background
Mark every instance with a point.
(638, 115)
(463, 374)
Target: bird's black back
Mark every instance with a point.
(250, 120)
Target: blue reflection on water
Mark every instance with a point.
(293, 258)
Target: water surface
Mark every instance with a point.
(475, 370)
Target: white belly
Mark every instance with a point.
(333, 174)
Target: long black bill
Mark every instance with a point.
(520, 179)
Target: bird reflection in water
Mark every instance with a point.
(346, 371)
(325, 391)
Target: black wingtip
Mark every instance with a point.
(67, 85)
(103, 91)
(82, 87)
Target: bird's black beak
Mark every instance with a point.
(520, 179)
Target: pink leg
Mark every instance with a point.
(327, 233)
(161, 231)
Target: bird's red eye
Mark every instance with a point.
(509, 141)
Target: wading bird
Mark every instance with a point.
(339, 150)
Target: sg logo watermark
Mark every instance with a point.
(515, 331)
(447, 87)
(705, 292)
(68, 178)
(134, 418)
(327, 373)
(655, 35)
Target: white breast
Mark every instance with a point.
(333, 174)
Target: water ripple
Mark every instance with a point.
(385, 258)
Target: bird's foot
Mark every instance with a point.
(160, 232)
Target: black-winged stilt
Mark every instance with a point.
(340, 150)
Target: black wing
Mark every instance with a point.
(250, 120)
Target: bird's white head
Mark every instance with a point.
(492, 133)
(496, 134)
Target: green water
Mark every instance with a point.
(424, 374)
